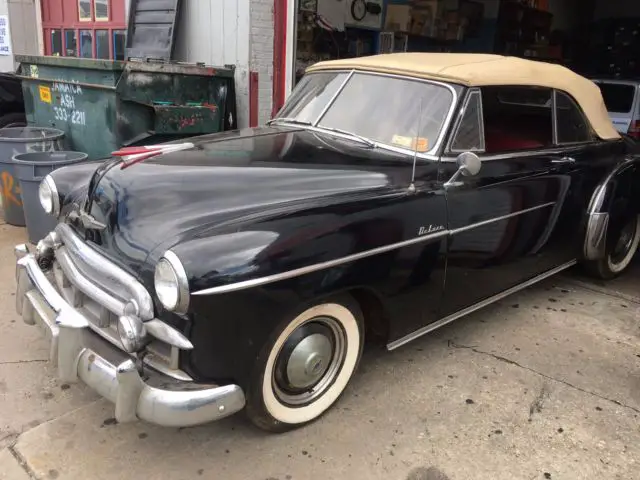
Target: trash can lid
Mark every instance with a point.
(29, 134)
(58, 157)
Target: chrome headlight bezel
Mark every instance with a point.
(49, 197)
(174, 294)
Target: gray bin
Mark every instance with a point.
(14, 141)
(31, 168)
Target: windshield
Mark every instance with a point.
(311, 96)
(380, 108)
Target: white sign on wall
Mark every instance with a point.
(5, 37)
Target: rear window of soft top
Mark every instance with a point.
(618, 97)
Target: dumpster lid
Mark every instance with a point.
(151, 30)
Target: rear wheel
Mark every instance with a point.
(306, 365)
(620, 250)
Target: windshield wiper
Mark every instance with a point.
(355, 136)
(362, 139)
(288, 120)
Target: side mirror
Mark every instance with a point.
(469, 164)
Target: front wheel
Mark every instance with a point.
(619, 251)
(306, 365)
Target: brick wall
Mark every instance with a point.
(261, 54)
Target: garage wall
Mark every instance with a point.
(24, 37)
(217, 33)
(616, 8)
(563, 14)
(236, 32)
(6, 62)
(484, 42)
(261, 54)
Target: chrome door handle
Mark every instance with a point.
(564, 160)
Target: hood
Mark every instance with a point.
(228, 180)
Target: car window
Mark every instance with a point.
(311, 96)
(517, 118)
(618, 97)
(469, 135)
(571, 123)
(390, 110)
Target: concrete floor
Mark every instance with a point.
(543, 385)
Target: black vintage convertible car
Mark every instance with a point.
(391, 195)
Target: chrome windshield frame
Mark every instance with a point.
(430, 155)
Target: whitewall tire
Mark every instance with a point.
(306, 365)
(620, 251)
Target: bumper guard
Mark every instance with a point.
(81, 354)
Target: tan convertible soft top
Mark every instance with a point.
(477, 70)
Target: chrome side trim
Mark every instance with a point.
(595, 236)
(97, 262)
(497, 219)
(233, 287)
(488, 301)
(318, 266)
(554, 150)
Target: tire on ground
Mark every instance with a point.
(621, 246)
(272, 407)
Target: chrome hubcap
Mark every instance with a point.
(309, 361)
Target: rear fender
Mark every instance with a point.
(617, 197)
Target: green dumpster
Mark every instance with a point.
(103, 105)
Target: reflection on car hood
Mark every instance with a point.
(229, 179)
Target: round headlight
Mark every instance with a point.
(48, 195)
(171, 283)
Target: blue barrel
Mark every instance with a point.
(31, 168)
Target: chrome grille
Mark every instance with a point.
(101, 291)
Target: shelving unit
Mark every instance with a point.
(523, 31)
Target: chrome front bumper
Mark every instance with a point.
(81, 354)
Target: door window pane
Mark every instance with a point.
(517, 118)
(70, 43)
(56, 43)
(119, 44)
(469, 133)
(102, 44)
(101, 9)
(84, 10)
(572, 126)
(86, 44)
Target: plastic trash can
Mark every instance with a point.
(31, 168)
(14, 141)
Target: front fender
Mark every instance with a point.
(72, 182)
(615, 198)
